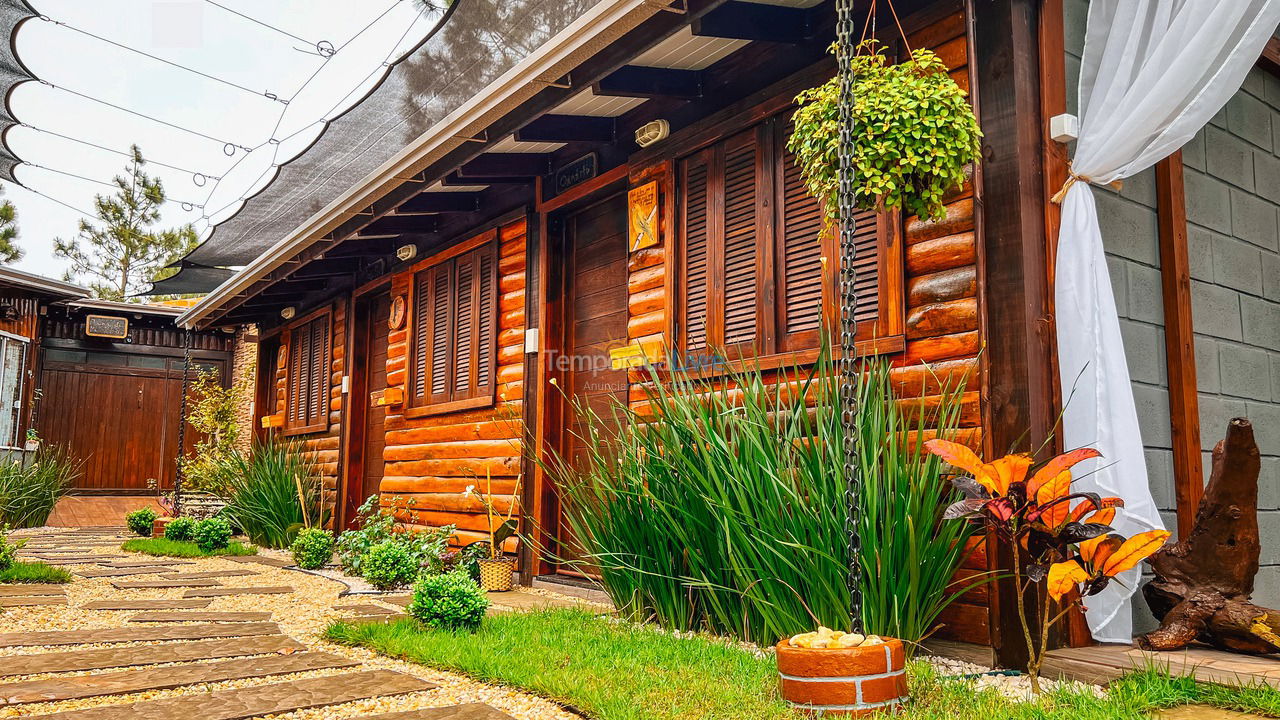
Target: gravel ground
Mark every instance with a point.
(301, 615)
(1016, 687)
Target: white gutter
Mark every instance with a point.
(599, 26)
(31, 281)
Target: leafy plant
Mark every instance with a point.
(213, 413)
(721, 505)
(29, 491)
(140, 521)
(180, 529)
(211, 534)
(449, 602)
(272, 492)
(377, 524)
(390, 565)
(8, 550)
(505, 526)
(913, 133)
(1041, 515)
(313, 548)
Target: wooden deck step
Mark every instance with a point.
(469, 711)
(191, 604)
(249, 702)
(103, 658)
(221, 591)
(152, 584)
(29, 589)
(163, 678)
(30, 601)
(178, 616)
(135, 634)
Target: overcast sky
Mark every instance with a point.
(246, 61)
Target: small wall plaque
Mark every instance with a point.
(636, 354)
(578, 171)
(642, 216)
(273, 421)
(386, 397)
(106, 326)
(395, 320)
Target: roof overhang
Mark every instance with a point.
(41, 285)
(590, 33)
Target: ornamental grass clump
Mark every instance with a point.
(30, 489)
(913, 131)
(720, 504)
(271, 493)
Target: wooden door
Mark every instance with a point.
(595, 321)
(119, 419)
(366, 438)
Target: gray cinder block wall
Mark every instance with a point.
(1232, 172)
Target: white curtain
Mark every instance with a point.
(1153, 73)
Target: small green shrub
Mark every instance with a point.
(8, 550)
(389, 565)
(140, 521)
(376, 525)
(449, 602)
(29, 490)
(34, 572)
(180, 529)
(313, 548)
(162, 547)
(212, 534)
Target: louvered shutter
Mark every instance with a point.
(420, 370)
(870, 227)
(739, 255)
(440, 332)
(486, 319)
(318, 408)
(462, 360)
(293, 396)
(310, 358)
(696, 233)
(802, 239)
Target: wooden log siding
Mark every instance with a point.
(432, 459)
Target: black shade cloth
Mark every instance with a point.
(190, 279)
(12, 72)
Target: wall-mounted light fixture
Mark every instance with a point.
(652, 132)
(288, 312)
(407, 252)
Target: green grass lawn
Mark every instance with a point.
(34, 572)
(173, 548)
(613, 671)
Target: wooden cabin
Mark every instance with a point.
(417, 324)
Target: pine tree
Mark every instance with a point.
(10, 252)
(120, 252)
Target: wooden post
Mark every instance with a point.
(1016, 323)
(1179, 341)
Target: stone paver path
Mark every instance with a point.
(184, 645)
(20, 601)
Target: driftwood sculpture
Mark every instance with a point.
(1203, 582)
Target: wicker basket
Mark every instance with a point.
(495, 574)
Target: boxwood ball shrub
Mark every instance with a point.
(140, 521)
(8, 550)
(389, 565)
(452, 601)
(313, 548)
(180, 529)
(211, 534)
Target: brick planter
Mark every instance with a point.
(157, 526)
(843, 682)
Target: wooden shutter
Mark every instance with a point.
(464, 326)
(307, 384)
(870, 230)
(803, 240)
(696, 233)
(738, 255)
(486, 320)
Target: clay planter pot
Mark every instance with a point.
(495, 575)
(843, 682)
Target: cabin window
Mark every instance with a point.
(454, 339)
(13, 364)
(753, 245)
(310, 354)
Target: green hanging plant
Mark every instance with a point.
(913, 134)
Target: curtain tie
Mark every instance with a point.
(1072, 179)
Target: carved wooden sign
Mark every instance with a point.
(106, 326)
(642, 216)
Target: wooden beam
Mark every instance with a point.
(455, 180)
(395, 224)
(1179, 340)
(754, 21)
(1016, 324)
(569, 128)
(1270, 60)
(650, 82)
(506, 165)
(440, 202)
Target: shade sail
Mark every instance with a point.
(191, 279)
(12, 72)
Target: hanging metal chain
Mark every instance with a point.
(848, 365)
(180, 472)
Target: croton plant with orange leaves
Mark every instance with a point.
(1066, 537)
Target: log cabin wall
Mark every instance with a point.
(938, 294)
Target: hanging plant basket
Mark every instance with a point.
(913, 134)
